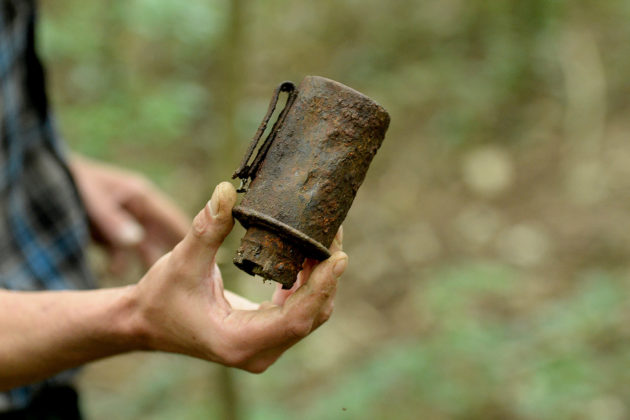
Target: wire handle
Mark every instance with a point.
(247, 172)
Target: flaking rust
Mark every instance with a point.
(301, 184)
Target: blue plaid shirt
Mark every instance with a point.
(43, 229)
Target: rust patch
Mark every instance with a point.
(305, 176)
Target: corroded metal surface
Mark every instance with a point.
(308, 176)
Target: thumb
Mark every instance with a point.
(210, 227)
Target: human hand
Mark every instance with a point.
(127, 212)
(182, 306)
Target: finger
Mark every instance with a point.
(325, 311)
(273, 329)
(337, 244)
(329, 305)
(309, 265)
(209, 228)
(282, 326)
(266, 305)
(239, 302)
(309, 300)
(117, 226)
(281, 295)
(217, 291)
(110, 222)
(153, 208)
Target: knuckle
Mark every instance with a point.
(299, 328)
(235, 357)
(325, 294)
(257, 367)
(231, 359)
(326, 314)
(199, 225)
(207, 230)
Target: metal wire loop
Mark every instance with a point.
(246, 171)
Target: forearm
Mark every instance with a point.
(42, 333)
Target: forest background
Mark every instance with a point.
(489, 246)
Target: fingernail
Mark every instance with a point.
(131, 233)
(341, 234)
(214, 202)
(340, 266)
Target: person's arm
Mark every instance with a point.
(42, 333)
(178, 306)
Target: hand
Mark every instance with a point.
(182, 306)
(127, 212)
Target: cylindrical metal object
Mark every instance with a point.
(309, 175)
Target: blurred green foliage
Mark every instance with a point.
(489, 246)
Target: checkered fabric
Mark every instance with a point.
(43, 229)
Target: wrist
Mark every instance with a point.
(129, 325)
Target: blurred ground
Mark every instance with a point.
(489, 246)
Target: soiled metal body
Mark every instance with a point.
(308, 178)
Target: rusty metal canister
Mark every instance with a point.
(305, 175)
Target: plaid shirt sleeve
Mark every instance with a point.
(43, 229)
